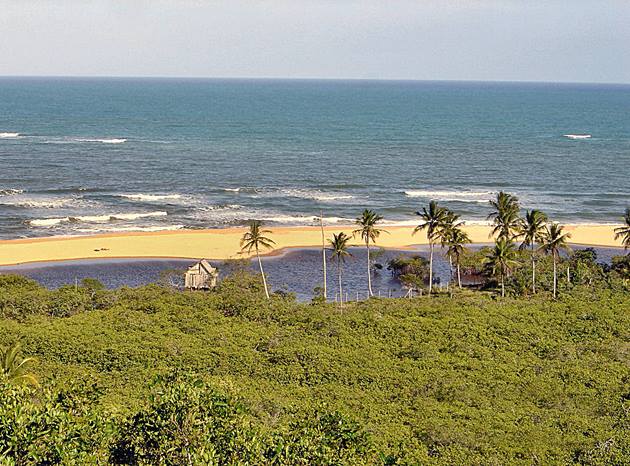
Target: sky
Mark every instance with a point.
(502, 40)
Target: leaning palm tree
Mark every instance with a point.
(623, 232)
(505, 215)
(433, 219)
(501, 260)
(369, 233)
(339, 245)
(532, 230)
(14, 370)
(554, 241)
(455, 244)
(255, 240)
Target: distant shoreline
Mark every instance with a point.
(222, 244)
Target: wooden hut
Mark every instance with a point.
(201, 276)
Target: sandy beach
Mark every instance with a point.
(224, 243)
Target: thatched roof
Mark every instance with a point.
(203, 266)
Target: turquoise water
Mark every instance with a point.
(99, 155)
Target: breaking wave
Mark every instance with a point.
(577, 136)
(9, 135)
(316, 195)
(152, 197)
(479, 197)
(102, 141)
(48, 222)
(299, 193)
(234, 215)
(10, 192)
(29, 203)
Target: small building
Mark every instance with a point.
(201, 276)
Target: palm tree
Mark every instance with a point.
(505, 215)
(432, 220)
(455, 244)
(531, 230)
(624, 231)
(554, 240)
(339, 245)
(445, 231)
(321, 224)
(501, 260)
(369, 233)
(12, 369)
(256, 240)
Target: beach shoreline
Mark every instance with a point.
(222, 244)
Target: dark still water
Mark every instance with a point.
(80, 156)
(298, 271)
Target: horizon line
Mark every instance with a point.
(287, 78)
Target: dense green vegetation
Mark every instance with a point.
(158, 376)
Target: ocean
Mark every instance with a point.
(80, 156)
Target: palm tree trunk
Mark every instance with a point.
(321, 220)
(533, 271)
(450, 266)
(503, 285)
(262, 272)
(555, 276)
(340, 289)
(459, 276)
(367, 245)
(430, 267)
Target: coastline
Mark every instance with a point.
(221, 244)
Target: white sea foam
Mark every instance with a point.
(10, 192)
(48, 222)
(223, 207)
(577, 136)
(316, 195)
(300, 193)
(103, 141)
(15, 198)
(135, 216)
(300, 219)
(9, 135)
(234, 214)
(152, 197)
(478, 197)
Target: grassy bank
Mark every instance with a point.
(462, 380)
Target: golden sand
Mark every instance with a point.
(224, 243)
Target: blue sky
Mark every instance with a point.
(523, 40)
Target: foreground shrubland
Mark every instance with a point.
(157, 376)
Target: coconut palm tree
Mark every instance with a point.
(13, 369)
(339, 245)
(501, 260)
(505, 215)
(623, 232)
(255, 240)
(321, 224)
(445, 231)
(532, 230)
(456, 240)
(369, 233)
(554, 241)
(433, 220)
